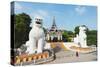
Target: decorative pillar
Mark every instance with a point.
(58, 37)
(48, 37)
(51, 37)
(61, 37)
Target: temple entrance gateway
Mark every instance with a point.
(53, 34)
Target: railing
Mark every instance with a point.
(29, 58)
(34, 58)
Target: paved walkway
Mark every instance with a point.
(69, 56)
(66, 56)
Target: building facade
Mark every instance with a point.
(54, 34)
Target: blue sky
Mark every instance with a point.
(66, 16)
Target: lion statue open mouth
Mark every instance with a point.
(36, 40)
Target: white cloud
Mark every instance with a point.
(80, 10)
(18, 6)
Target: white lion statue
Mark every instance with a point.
(36, 40)
(82, 36)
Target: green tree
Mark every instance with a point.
(21, 26)
(65, 35)
(76, 30)
(92, 37)
(70, 33)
